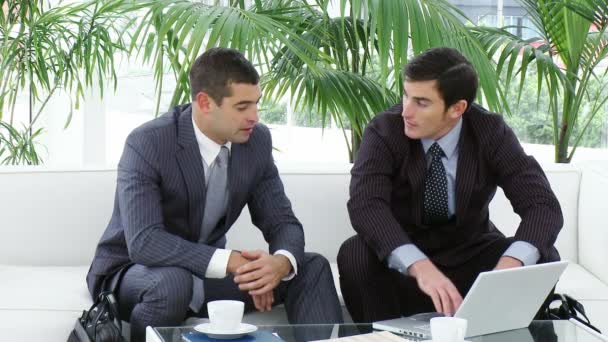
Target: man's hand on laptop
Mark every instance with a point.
(507, 262)
(440, 288)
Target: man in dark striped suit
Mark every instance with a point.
(183, 179)
(419, 195)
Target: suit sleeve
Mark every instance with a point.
(270, 208)
(139, 198)
(369, 206)
(528, 190)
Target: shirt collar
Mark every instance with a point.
(448, 142)
(209, 148)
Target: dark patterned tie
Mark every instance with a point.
(436, 189)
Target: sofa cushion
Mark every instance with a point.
(593, 229)
(57, 295)
(63, 288)
(37, 325)
(581, 284)
(79, 203)
(44, 288)
(57, 215)
(41, 303)
(58, 288)
(564, 180)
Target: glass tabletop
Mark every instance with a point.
(538, 331)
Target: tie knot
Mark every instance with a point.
(436, 151)
(222, 158)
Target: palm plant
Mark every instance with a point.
(321, 63)
(173, 33)
(18, 147)
(572, 42)
(46, 49)
(369, 46)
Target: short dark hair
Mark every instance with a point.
(455, 75)
(217, 68)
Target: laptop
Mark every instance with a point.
(498, 301)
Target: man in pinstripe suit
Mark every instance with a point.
(160, 255)
(419, 194)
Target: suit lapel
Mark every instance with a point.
(466, 172)
(416, 169)
(191, 165)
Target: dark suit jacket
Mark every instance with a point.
(387, 190)
(160, 197)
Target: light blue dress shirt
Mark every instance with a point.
(404, 256)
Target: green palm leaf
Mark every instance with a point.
(401, 28)
(181, 30)
(67, 47)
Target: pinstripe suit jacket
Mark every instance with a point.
(160, 196)
(387, 190)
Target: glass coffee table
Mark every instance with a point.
(538, 331)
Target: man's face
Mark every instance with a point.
(424, 113)
(235, 118)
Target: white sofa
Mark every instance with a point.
(51, 222)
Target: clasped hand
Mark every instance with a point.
(260, 274)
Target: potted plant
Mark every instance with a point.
(572, 41)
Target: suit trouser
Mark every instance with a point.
(373, 292)
(160, 296)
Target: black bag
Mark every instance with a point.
(569, 308)
(100, 323)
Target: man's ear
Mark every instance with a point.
(203, 101)
(457, 109)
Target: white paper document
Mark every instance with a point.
(382, 336)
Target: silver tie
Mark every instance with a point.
(216, 201)
(216, 196)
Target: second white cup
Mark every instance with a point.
(448, 329)
(225, 315)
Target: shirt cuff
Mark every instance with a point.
(218, 264)
(292, 261)
(524, 252)
(404, 256)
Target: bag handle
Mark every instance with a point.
(571, 308)
(106, 304)
(113, 306)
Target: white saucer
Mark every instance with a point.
(243, 329)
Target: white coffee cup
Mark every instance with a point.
(225, 315)
(448, 329)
